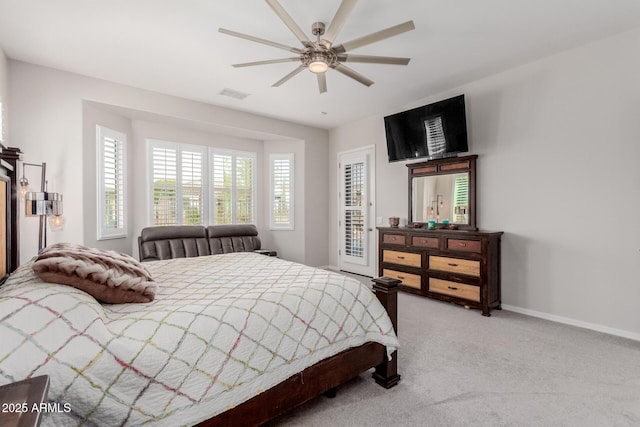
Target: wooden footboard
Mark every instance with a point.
(386, 289)
(324, 375)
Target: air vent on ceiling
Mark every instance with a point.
(234, 94)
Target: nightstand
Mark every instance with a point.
(266, 252)
(18, 399)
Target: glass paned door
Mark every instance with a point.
(354, 211)
(355, 231)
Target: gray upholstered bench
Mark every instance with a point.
(182, 241)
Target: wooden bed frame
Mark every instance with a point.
(324, 376)
(320, 378)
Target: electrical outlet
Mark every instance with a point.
(379, 220)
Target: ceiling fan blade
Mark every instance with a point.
(375, 37)
(322, 82)
(353, 74)
(339, 19)
(259, 40)
(289, 22)
(370, 59)
(269, 61)
(288, 76)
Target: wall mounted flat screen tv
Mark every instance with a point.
(431, 131)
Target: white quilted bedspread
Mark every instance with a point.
(222, 329)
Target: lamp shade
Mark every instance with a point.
(318, 66)
(43, 203)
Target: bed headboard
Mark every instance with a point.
(233, 238)
(180, 241)
(172, 241)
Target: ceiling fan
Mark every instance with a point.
(322, 54)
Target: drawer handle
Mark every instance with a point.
(400, 257)
(453, 288)
(462, 244)
(451, 264)
(401, 277)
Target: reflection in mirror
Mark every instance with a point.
(442, 198)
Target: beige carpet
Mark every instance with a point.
(461, 369)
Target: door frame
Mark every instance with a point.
(370, 269)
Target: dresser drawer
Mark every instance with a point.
(394, 239)
(408, 279)
(464, 245)
(402, 258)
(426, 242)
(460, 290)
(455, 265)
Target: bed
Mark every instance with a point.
(235, 338)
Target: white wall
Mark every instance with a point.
(286, 242)
(316, 202)
(558, 145)
(4, 98)
(47, 111)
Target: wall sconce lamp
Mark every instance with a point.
(42, 204)
(439, 204)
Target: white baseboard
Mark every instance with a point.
(568, 321)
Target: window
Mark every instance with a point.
(233, 177)
(1, 122)
(191, 185)
(281, 191)
(177, 183)
(111, 159)
(355, 181)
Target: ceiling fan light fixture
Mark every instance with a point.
(318, 66)
(320, 55)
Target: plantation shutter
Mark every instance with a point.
(191, 181)
(193, 185)
(222, 167)
(232, 175)
(354, 205)
(111, 183)
(244, 189)
(164, 185)
(281, 191)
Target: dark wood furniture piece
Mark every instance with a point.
(9, 197)
(459, 266)
(17, 402)
(451, 261)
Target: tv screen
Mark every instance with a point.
(432, 131)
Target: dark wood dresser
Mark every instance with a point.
(457, 266)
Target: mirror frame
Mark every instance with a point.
(445, 166)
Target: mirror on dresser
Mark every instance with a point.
(443, 190)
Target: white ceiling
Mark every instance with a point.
(174, 47)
